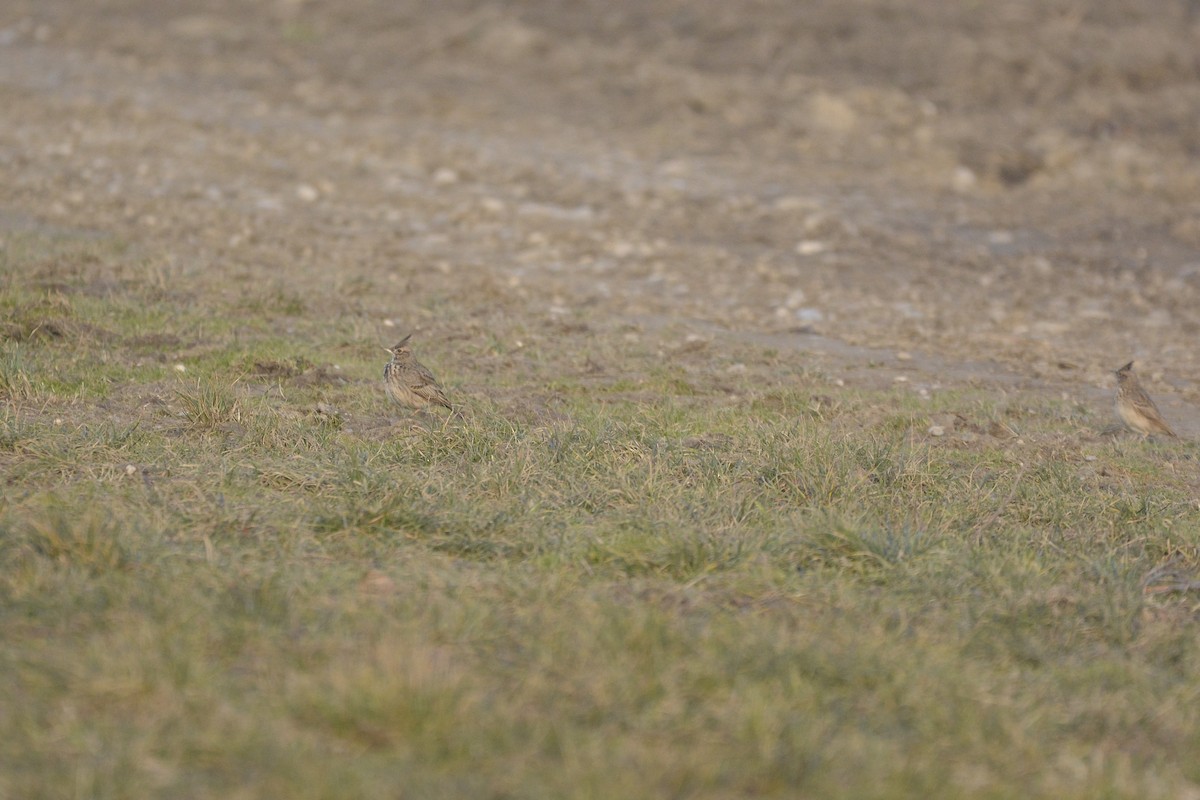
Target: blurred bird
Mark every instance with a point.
(409, 382)
(1134, 406)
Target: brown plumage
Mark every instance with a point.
(409, 382)
(1134, 406)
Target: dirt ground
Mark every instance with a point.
(993, 194)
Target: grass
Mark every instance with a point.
(643, 589)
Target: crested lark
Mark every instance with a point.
(1134, 406)
(409, 382)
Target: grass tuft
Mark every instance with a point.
(16, 383)
(208, 405)
(90, 539)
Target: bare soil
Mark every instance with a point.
(964, 193)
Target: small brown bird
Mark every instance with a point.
(409, 382)
(1134, 406)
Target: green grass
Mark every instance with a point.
(649, 590)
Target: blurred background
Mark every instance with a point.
(1014, 182)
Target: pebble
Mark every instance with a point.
(445, 176)
(963, 179)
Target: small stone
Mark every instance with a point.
(445, 176)
(937, 430)
(810, 247)
(180, 368)
(307, 193)
(963, 179)
(903, 356)
(130, 469)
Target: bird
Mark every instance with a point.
(1134, 406)
(409, 382)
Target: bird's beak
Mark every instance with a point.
(385, 349)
